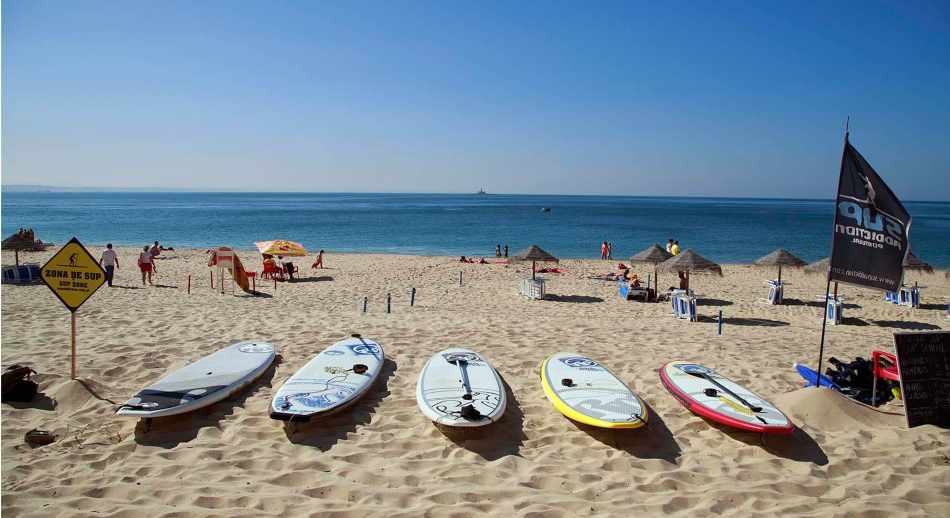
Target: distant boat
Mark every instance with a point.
(481, 191)
(546, 209)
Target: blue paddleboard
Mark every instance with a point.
(812, 377)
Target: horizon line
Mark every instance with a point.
(34, 188)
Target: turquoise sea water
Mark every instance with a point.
(722, 229)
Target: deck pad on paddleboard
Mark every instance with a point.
(707, 394)
(202, 383)
(332, 380)
(458, 387)
(585, 391)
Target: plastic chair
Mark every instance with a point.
(272, 271)
(879, 370)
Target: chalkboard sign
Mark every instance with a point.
(923, 360)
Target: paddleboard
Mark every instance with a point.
(458, 387)
(812, 377)
(707, 394)
(202, 383)
(332, 380)
(585, 391)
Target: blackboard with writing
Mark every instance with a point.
(923, 360)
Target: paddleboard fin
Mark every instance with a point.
(471, 413)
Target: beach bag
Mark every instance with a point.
(17, 385)
(856, 380)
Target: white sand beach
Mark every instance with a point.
(382, 457)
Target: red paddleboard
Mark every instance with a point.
(707, 394)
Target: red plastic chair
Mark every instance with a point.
(272, 271)
(884, 370)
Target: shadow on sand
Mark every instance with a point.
(168, 432)
(797, 446)
(938, 307)
(904, 324)
(814, 303)
(653, 441)
(494, 441)
(713, 302)
(579, 299)
(741, 321)
(322, 278)
(324, 432)
(40, 402)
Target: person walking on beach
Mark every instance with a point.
(155, 250)
(506, 250)
(146, 264)
(603, 250)
(319, 262)
(498, 250)
(675, 249)
(669, 246)
(610, 251)
(109, 262)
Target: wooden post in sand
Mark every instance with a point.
(72, 372)
(389, 298)
(365, 303)
(212, 279)
(189, 284)
(460, 278)
(412, 298)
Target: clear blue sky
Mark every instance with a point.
(653, 98)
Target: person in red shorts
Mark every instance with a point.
(146, 265)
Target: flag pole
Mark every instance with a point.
(824, 315)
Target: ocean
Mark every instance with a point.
(725, 230)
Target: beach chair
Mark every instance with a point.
(22, 274)
(833, 310)
(776, 292)
(886, 369)
(892, 297)
(909, 296)
(272, 271)
(684, 304)
(532, 288)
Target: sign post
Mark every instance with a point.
(73, 275)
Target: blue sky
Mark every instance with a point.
(652, 98)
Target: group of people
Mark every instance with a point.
(673, 247)
(607, 250)
(26, 235)
(109, 261)
(498, 250)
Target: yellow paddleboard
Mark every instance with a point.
(588, 393)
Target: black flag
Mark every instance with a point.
(871, 228)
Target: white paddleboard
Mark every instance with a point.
(458, 387)
(202, 383)
(585, 391)
(332, 380)
(706, 393)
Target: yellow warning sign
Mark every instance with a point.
(73, 274)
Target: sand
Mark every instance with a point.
(383, 458)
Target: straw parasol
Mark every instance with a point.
(654, 254)
(821, 266)
(780, 258)
(534, 253)
(23, 242)
(690, 261)
(281, 247)
(912, 262)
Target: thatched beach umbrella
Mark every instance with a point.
(534, 253)
(780, 258)
(22, 242)
(654, 254)
(821, 266)
(690, 261)
(912, 262)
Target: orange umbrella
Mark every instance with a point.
(281, 247)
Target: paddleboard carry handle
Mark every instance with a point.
(359, 368)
